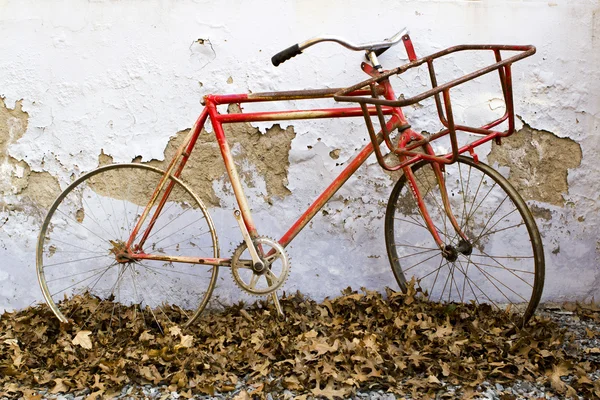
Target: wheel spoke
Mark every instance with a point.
(183, 240)
(96, 245)
(71, 242)
(471, 211)
(455, 285)
(102, 272)
(76, 274)
(72, 261)
(490, 232)
(421, 262)
(415, 222)
(444, 288)
(416, 254)
(437, 273)
(88, 211)
(166, 290)
(170, 222)
(83, 226)
(85, 250)
(134, 280)
(489, 276)
(501, 266)
(483, 293)
(414, 247)
(511, 270)
(491, 216)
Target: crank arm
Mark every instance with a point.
(249, 243)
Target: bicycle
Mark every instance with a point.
(124, 232)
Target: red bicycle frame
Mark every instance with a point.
(365, 93)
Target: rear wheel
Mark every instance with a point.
(504, 264)
(82, 262)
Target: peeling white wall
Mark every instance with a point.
(123, 77)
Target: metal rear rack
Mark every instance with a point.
(444, 108)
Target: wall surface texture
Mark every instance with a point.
(85, 83)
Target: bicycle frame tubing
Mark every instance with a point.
(181, 157)
(217, 120)
(179, 160)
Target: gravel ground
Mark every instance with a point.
(579, 345)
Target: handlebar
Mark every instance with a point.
(296, 49)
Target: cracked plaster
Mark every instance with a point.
(121, 79)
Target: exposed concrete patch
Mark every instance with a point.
(335, 154)
(16, 178)
(268, 152)
(539, 163)
(42, 189)
(540, 212)
(13, 124)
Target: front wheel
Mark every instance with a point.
(81, 267)
(504, 266)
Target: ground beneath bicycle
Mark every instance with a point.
(359, 345)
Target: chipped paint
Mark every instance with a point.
(539, 162)
(76, 95)
(267, 153)
(13, 124)
(19, 185)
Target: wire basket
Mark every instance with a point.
(408, 152)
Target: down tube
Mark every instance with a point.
(333, 187)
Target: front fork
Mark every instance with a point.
(448, 251)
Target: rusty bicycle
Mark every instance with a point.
(138, 235)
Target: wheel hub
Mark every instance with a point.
(451, 253)
(121, 252)
(464, 247)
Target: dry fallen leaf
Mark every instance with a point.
(329, 392)
(442, 331)
(175, 331)
(243, 395)
(558, 370)
(356, 341)
(291, 383)
(146, 336)
(95, 395)
(59, 387)
(31, 395)
(187, 341)
(83, 339)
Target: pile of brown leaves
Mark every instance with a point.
(357, 341)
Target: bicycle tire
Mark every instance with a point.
(76, 257)
(496, 220)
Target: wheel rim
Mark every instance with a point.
(81, 250)
(506, 266)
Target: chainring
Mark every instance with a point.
(275, 273)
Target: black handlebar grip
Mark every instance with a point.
(285, 55)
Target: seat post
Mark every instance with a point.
(374, 61)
